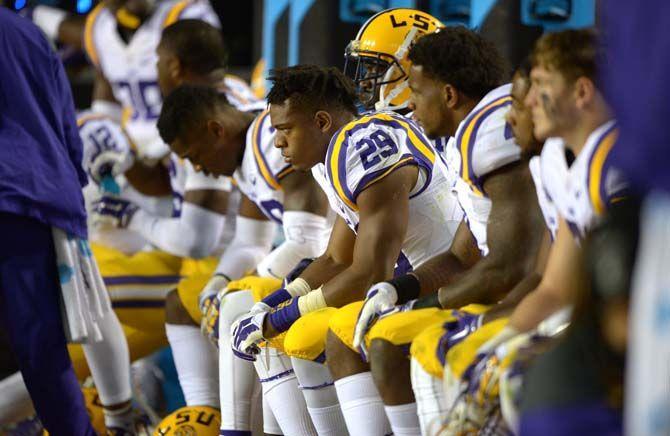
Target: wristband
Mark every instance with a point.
(312, 301)
(277, 297)
(281, 318)
(407, 286)
(298, 287)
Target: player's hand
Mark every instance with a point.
(457, 330)
(209, 303)
(246, 334)
(107, 151)
(380, 298)
(111, 211)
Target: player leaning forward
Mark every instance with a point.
(395, 210)
(202, 126)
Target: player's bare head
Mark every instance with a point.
(519, 115)
(451, 67)
(138, 8)
(190, 51)
(196, 122)
(564, 79)
(307, 105)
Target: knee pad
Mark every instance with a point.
(343, 323)
(306, 339)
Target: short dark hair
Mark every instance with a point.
(185, 108)
(523, 70)
(462, 58)
(574, 53)
(313, 87)
(197, 44)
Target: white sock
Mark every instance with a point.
(109, 362)
(431, 402)
(196, 362)
(237, 376)
(15, 403)
(281, 391)
(403, 419)
(362, 406)
(318, 389)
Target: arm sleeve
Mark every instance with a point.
(195, 233)
(306, 237)
(252, 242)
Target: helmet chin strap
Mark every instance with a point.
(384, 102)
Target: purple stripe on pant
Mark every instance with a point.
(30, 314)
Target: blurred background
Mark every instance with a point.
(288, 32)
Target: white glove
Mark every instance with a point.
(216, 284)
(246, 334)
(380, 298)
(107, 151)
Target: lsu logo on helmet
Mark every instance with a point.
(191, 421)
(377, 59)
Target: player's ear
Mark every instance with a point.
(175, 69)
(323, 120)
(585, 91)
(449, 96)
(216, 128)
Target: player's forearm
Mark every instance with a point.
(194, 233)
(511, 300)
(323, 269)
(485, 283)
(149, 180)
(439, 271)
(536, 307)
(352, 284)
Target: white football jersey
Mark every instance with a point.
(130, 67)
(483, 143)
(594, 184)
(547, 176)
(262, 168)
(369, 148)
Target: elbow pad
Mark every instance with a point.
(307, 236)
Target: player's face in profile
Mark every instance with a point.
(519, 116)
(166, 82)
(206, 147)
(297, 135)
(427, 102)
(550, 100)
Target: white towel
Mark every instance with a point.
(84, 297)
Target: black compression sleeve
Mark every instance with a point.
(407, 286)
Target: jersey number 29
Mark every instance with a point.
(376, 146)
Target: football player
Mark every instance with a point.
(567, 103)
(383, 178)
(455, 79)
(202, 126)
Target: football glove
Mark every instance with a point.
(392, 311)
(246, 334)
(380, 298)
(209, 302)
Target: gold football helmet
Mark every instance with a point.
(190, 421)
(377, 59)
